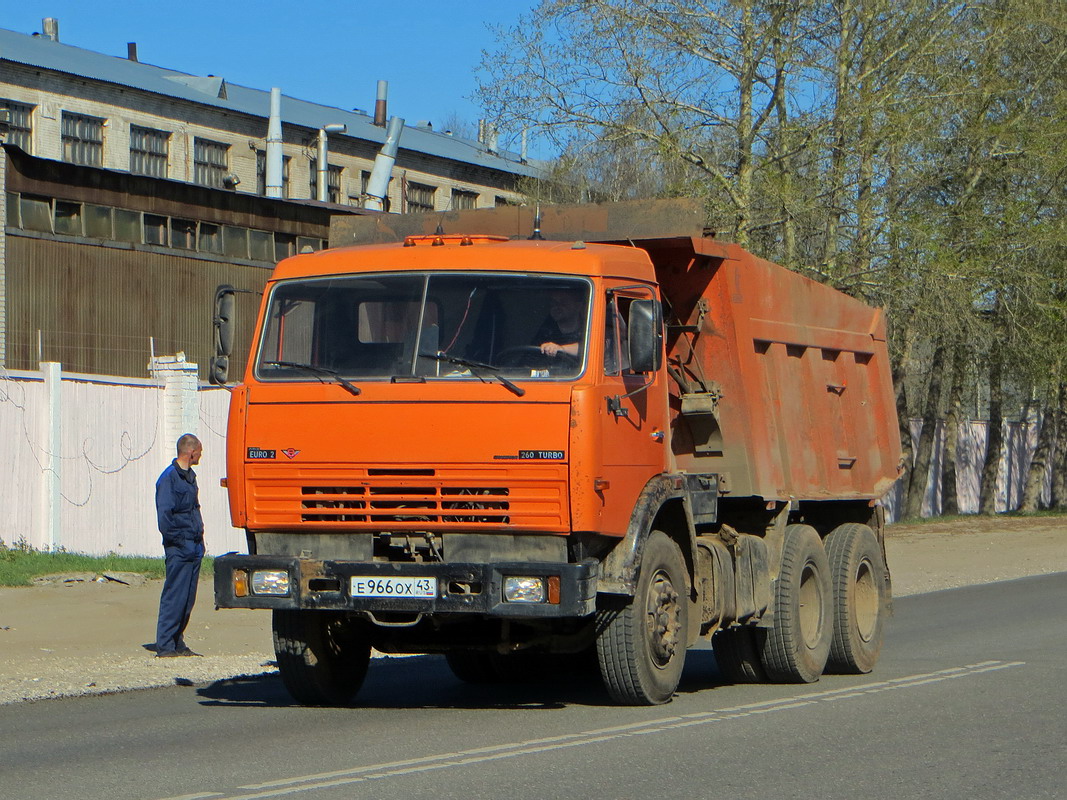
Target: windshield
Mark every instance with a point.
(424, 326)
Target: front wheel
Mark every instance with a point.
(861, 598)
(641, 640)
(797, 645)
(322, 655)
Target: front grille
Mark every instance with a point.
(411, 498)
(405, 504)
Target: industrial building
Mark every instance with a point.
(74, 105)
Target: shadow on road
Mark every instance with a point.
(427, 682)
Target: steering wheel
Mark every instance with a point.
(524, 354)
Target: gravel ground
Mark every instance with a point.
(87, 636)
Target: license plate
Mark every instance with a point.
(393, 587)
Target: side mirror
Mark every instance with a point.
(645, 336)
(225, 306)
(219, 370)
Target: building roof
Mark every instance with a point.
(43, 52)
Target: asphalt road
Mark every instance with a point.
(967, 702)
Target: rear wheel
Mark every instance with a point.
(737, 652)
(860, 598)
(322, 655)
(798, 643)
(641, 641)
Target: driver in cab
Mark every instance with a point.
(562, 330)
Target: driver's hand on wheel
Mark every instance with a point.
(551, 348)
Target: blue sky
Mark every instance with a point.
(330, 52)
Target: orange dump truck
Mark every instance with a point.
(522, 452)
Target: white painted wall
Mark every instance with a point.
(112, 450)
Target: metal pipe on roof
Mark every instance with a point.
(50, 26)
(378, 182)
(274, 166)
(322, 164)
(131, 51)
(380, 103)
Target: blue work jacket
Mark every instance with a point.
(178, 506)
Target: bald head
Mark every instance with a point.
(189, 450)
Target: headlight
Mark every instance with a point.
(270, 581)
(524, 590)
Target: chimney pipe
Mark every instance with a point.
(274, 145)
(131, 51)
(379, 103)
(378, 182)
(50, 26)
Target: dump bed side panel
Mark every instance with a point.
(789, 383)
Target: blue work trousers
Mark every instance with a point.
(178, 595)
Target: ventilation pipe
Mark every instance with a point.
(378, 183)
(50, 26)
(322, 165)
(380, 103)
(131, 51)
(274, 145)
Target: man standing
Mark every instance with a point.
(180, 522)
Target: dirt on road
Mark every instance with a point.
(87, 637)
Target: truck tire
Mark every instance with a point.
(322, 655)
(737, 652)
(860, 598)
(797, 645)
(641, 641)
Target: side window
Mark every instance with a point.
(616, 352)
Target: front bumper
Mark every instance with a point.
(470, 589)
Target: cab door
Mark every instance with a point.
(632, 416)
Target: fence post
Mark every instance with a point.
(179, 403)
(51, 483)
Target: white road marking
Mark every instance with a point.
(480, 755)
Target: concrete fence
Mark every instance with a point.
(81, 454)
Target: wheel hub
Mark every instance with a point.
(663, 619)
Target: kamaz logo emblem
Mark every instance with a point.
(290, 452)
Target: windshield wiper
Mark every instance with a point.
(349, 387)
(473, 365)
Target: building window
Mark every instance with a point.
(419, 198)
(19, 119)
(148, 151)
(210, 163)
(83, 140)
(333, 182)
(463, 200)
(261, 174)
(68, 218)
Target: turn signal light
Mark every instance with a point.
(240, 583)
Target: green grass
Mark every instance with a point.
(20, 564)
(957, 517)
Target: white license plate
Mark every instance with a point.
(393, 587)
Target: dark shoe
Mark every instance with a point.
(168, 654)
(185, 651)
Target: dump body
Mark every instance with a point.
(473, 445)
(788, 393)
